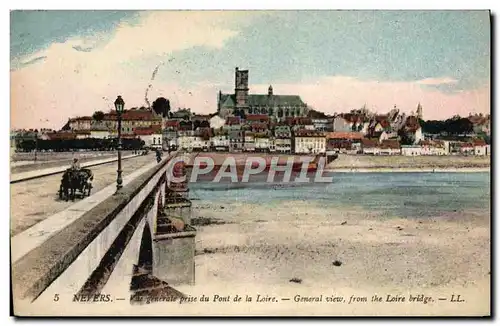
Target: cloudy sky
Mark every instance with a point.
(70, 63)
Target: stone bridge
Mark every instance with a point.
(137, 241)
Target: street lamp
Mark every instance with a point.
(119, 105)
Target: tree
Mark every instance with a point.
(406, 138)
(98, 116)
(161, 106)
(313, 114)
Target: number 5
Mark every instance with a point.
(56, 297)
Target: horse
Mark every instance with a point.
(73, 180)
(86, 177)
(68, 185)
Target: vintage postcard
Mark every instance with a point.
(250, 163)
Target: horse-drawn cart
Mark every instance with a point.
(75, 180)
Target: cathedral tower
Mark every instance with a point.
(241, 88)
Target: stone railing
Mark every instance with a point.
(81, 258)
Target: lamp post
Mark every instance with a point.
(36, 146)
(119, 105)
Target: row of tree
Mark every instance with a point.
(161, 106)
(453, 126)
(90, 144)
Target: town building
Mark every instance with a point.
(370, 146)
(480, 147)
(466, 148)
(433, 147)
(151, 136)
(262, 142)
(100, 132)
(340, 124)
(344, 142)
(181, 114)
(282, 140)
(299, 123)
(220, 140)
(201, 141)
(354, 121)
(389, 147)
(80, 123)
(216, 122)
(185, 135)
(236, 139)
(249, 141)
(276, 106)
(82, 134)
(322, 124)
(309, 142)
(170, 132)
(131, 119)
(411, 150)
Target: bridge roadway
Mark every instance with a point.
(33, 201)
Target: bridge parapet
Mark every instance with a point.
(98, 248)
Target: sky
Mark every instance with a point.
(71, 63)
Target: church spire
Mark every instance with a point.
(419, 111)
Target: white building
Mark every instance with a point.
(249, 141)
(411, 150)
(307, 142)
(436, 147)
(386, 147)
(341, 124)
(322, 124)
(82, 134)
(370, 148)
(262, 144)
(101, 133)
(272, 144)
(186, 142)
(200, 142)
(216, 122)
(389, 147)
(152, 136)
(419, 135)
(80, 123)
(220, 142)
(283, 145)
(481, 148)
(152, 140)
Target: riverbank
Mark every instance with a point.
(451, 162)
(360, 162)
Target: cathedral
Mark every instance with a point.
(277, 106)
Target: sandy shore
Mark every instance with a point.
(367, 163)
(261, 248)
(338, 256)
(346, 254)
